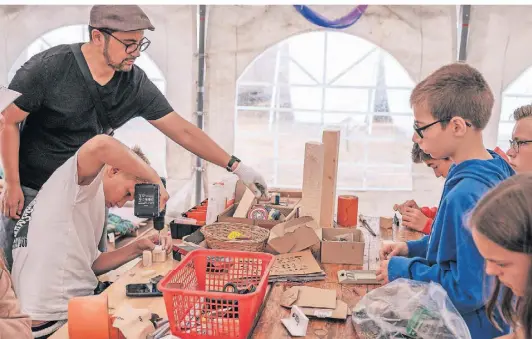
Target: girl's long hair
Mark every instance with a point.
(504, 216)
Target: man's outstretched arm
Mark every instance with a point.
(198, 142)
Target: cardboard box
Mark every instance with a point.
(227, 216)
(288, 212)
(342, 252)
(294, 235)
(315, 302)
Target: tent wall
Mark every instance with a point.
(498, 46)
(421, 38)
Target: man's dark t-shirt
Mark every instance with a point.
(62, 115)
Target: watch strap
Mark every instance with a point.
(231, 163)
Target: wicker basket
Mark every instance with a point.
(254, 237)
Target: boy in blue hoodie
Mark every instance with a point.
(451, 108)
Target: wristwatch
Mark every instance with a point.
(232, 161)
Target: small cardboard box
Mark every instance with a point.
(342, 252)
(315, 302)
(294, 235)
(227, 216)
(288, 212)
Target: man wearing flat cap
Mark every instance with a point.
(70, 93)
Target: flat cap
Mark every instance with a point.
(7, 96)
(123, 18)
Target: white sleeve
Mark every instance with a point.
(84, 192)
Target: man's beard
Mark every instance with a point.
(122, 66)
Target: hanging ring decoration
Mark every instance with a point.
(343, 22)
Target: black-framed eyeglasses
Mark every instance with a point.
(419, 130)
(516, 144)
(131, 48)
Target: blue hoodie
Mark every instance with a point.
(449, 256)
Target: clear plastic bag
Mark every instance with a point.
(408, 309)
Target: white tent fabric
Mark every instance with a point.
(498, 40)
(421, 38)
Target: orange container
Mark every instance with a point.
(88, 317)
(198, 215)
(347, 214)
(196, 303)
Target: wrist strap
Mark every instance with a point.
(231, 163)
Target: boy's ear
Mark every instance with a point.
(112, 171)
(458, 124)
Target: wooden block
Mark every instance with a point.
(331, 148)
(386, 223)
(147, 258)
(159, 255)
(312, 180)
(248, 199)
(148, 273)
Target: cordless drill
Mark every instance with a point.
(158, 221)
(147, 204)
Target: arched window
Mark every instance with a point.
(137, 131)
(314, 80)
(518, 93)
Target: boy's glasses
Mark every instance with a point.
(515, 144)
(419, 130)
(142, 45)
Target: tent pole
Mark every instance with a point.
(465, 11)
(200, 91)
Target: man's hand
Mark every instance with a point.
(399, 249)
(12, 200)
(414, 219)
(253, 180)
(148, 244)
(409, 203)
(382, 272)
(163, 196)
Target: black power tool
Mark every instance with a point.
(147, 204)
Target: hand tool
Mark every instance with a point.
(147, 204)
(366, 225)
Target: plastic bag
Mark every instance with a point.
(408, 309)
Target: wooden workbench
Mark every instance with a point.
(269, 324)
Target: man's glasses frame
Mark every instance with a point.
(131, 48)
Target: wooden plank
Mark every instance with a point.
(331, 148)
(245, 204)
(312, 180)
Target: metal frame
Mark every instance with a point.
(274, 111)
(202, 12)
(464, 31)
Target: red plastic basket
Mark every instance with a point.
(196, 304)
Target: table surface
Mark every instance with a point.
(269, 324)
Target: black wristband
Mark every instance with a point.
(231, 163)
